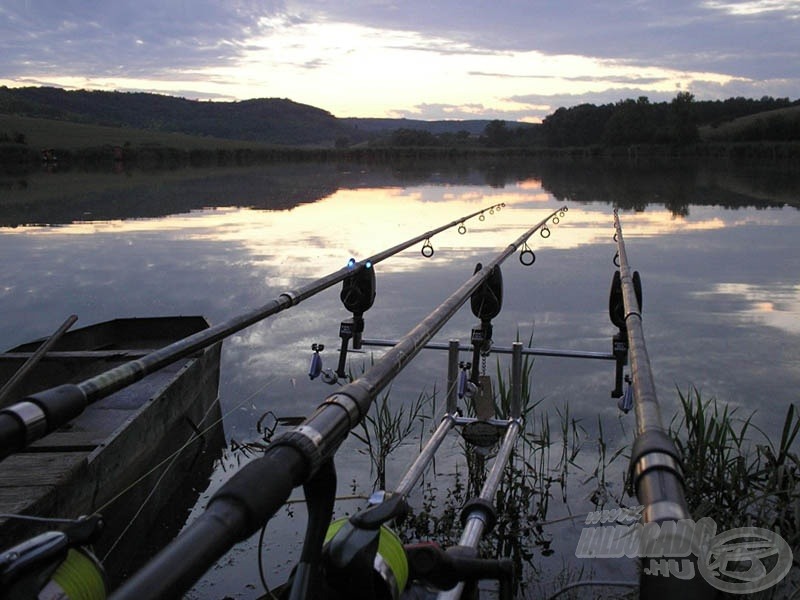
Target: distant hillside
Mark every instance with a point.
(65, 135)
(268, 120)
(774, 125)
(144, 119)
(264, 120)
(474, 127)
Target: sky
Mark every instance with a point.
(423, 59)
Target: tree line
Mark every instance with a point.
(626, 123)
(682, 121)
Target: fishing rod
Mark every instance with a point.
(41, 413)
(655, 466)
(654, 461)
(302, 456)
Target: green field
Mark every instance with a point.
(47, 133)
(733, 129)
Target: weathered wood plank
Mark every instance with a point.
(15, 499)
(47, 468)
(117, 440)
(86, 431)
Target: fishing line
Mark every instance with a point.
(135, 516)
(300, 454)
(171, 458)
(54, 520)
(188, 442)
(261, 564)
(603, 582)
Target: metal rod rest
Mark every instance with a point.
(503, 350)
(496, 422)
(452, 376)
(516, 380)
(475, 525)
(424, 458)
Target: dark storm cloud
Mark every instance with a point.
(148, 38)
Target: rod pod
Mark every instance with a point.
(244, 503)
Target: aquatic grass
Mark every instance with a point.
(734, 473)
(732, 478)
(502, 400)
(384, 429)
(601, 495)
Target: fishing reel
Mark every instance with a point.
(363, 559)
(55, 564)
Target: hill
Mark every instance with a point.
(775, 125)
(51, 133)
(264, 120)
(138, 120)
(377, 126)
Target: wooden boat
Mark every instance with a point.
(125, 455)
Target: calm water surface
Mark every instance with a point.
(717, 250)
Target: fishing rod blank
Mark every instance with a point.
(256, 492)
(655, 463)
(43, 412)
(654, 460)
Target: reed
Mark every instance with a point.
(383, 430)
(734, 472)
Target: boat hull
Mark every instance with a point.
(128, 456)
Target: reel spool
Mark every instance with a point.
(389, 565)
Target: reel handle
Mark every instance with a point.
(444, 569)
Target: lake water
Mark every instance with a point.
(716, 246)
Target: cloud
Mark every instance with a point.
(148, 38)
(443, 112)
(442, 59)
(789, 8)
(728, 37)
(617, 79)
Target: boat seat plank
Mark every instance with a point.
(14, 500)
(41, 469)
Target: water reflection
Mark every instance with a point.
(777, 306)
(721, 299)
(65, 197)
